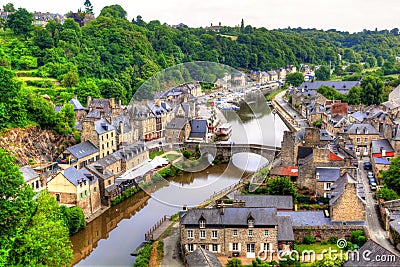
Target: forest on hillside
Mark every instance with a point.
(112, 57)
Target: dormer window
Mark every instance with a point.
(202, 223)
(357, 130)
(250, 221)
(365, 131)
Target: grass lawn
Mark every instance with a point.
(171, 157)
(316, 247)
(152, 155)
(35, 79)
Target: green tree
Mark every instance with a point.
(330, 93)
(74, 219)
(115, 11)
(88, 7)
(112, 89)
(380, 61)
(318, 123)
(392, 175)
(87, 88)
(354, 96)
(371, 60)
(40, 110)
(295, 79)
(16, 205)
(387, 194)
(20, 22)
(28, 62)
(43, 39)
(281, 186)
(65, 120)
(372, 90)
(45, 241)
(9, 7)
(71, 79)
(323, 73)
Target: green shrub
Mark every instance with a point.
(142, 259)
(361, 240)
(355, 234)
(308, 240)
(333, 240)
(234, 263)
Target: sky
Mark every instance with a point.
(344, 15)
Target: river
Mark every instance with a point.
(109, 239)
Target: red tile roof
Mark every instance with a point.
(285, 171)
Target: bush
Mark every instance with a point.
(361, 240)
(234, 263)
(308, 240)
(355, 234)
(333, 240)
(74, 218)
(142, 259)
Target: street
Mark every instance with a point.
(376, 231)
(301, 122)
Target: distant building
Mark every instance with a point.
(32, 178)
(310, 88)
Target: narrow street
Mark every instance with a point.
(376, 231)
(300, 122)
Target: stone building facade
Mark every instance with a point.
(234, 231)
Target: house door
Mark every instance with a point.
(251, 250)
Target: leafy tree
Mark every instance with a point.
(9, 7)
(112, 89)
(115, 11)
(20, 22)
(28, 62)
(354, 68)
(281, 186)
(308, 240)
(295, 79)
(323, 73)
(330, 93)
(16, 205)
(45, 241)
(74, 219)
(354, 96)
(387, 194)
(65, 120)
(372, 90)
(87, 88)
(371, 60)
(392, 175)
(88, 7)
(70, 79)
(380, 61)
(40, 110)
(43, 39)
(318, 123)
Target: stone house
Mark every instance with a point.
(102, 134)
(281, 73)
(343, 87)
(132, 156)
(325, 178)
(125, 132)
(108, 189)
(237, 232)
(32, 178)
(259, 77)
(335, 123)
(74, 187)
(81, 154)
(145, 121)
(99, 108)
(285, 171)
(273, 75)
(361, 136)
(382, 149)
(80, 111)
(239, 79)
(347, 203)
(177, 130)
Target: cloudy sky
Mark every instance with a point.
(347, 15)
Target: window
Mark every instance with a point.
(190, 233)
(250, 222)
(203, 246)
(112, 134)
(365, 140)
(95, 189)
(266, 233)
(235, 233)
(214, 234)
(250, 233)
(235, 247)
(37, 184)
(102, 146)
(358, 150)
(265, 246)
(202, 234)
(358, 139)
(190, 247)
(109, 182)
(327, 186)
(107, 136)
(202, 223)
(81, 195)
(215, 248)
(365, 150)
(33, 185)
(250, 248)
(85, 192)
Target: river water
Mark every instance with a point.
(109, 239)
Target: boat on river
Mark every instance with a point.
(224, 130)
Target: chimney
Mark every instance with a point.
(112, 103)
(121, 129)
(119, 104)
(89, 99)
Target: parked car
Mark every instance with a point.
(373, 186)
(370, 174)
(367, 165)
(372, 180)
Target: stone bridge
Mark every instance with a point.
(224, 152)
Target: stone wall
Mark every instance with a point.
(324, 232)
(288, 148)
(348, 207)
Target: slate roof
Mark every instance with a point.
(82, 150)
(102, 173)
(77, 105)
(100, 103)
(378, 145)
(342, 87)
(177, 123)
(28, 173)
(97, 114)
(73, 175)
(259, 201)
(382, 161)
(103, 126)
(361, 128)
(231, 216)
(198, 128)
(360, 116)
(337, 189)
(327, 174)
(325, 136)
(202, 258)
(391, 104)
(285, 229)
(306, 218)
(372, 250)
(125, 124)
